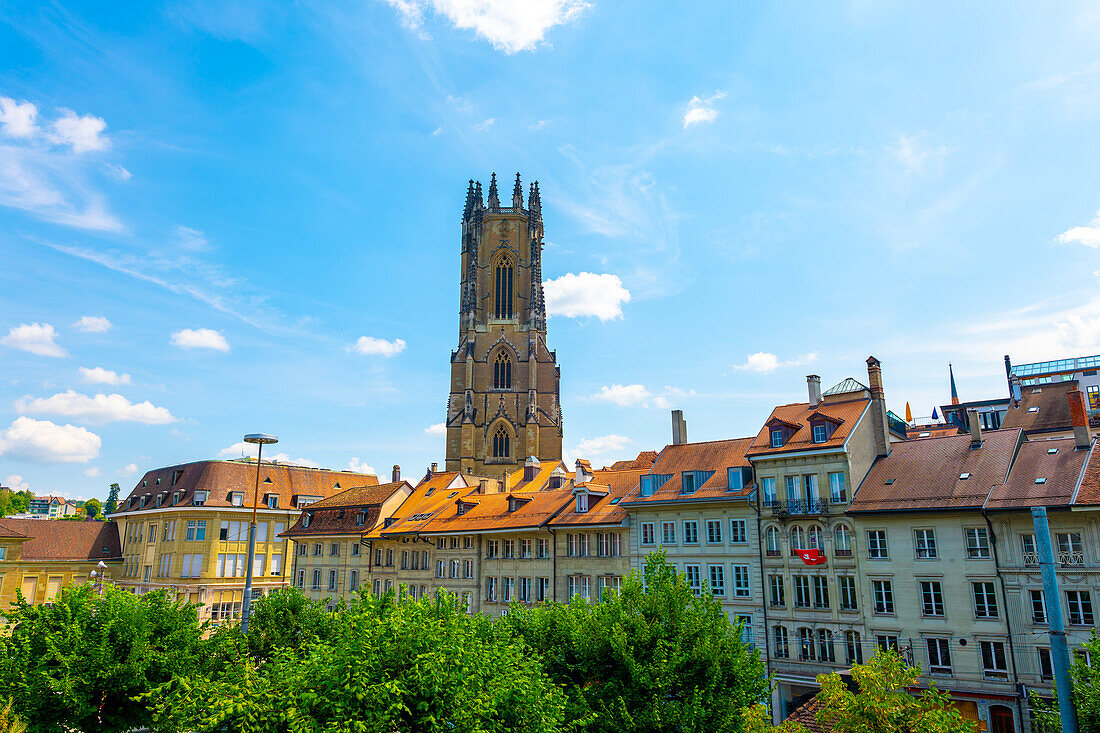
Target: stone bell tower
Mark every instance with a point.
(504, 403)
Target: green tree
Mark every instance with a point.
(92, 508)
(79, 663)
(389, 664)
(112, 500)
(283, 620)
(655, 657)
(1085, 685)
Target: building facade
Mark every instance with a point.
(40, 558)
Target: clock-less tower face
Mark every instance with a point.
(503, 403)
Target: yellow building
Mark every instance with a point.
(185, 528)
(40, 557)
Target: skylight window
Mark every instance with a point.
(925, 435)
(616, 500)
(1052, 451)
(889, 481)
(964, 476)
(1040, 480)
(1033, 409)
(452, 495)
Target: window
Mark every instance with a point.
(718, 580)
(776, 596)
(152, 532)
(772, 538)
(691, 532)
(468, 542)
(931, 594)
(939, 656)
(492, 549)
(777, 438)
(543, 587)
(798, 538)
(687, 482)
(815, 537)
(821, 433)
(332, 580)
(977, 543)
(847, 586)
(1070, 550)
(994, 664)
(490, 589)
(544, 548)
(1046, 664)
(236, 498)
(301, 581)
(801, 591)
(468, 569)
(609, 544)
(853, 647)
(883, 592)
(782, 649)
(1027, 545)
(735, 479)
(714, 531)
(389, 558)
(353, 580)
(509, 549)
(876, 544)
(925, 542)
(424, 559)
(276, 564)
(316, 580)
(647, 533)
(985, 599)
(738, 534)
(502, 371)
(887, 641)
(741, 587)
(334, 550)
(1038, 607)
(577, 545)
(1080, 607)
(355, 550)
(525, 590)
(200, 498)
(838, 492)
(525, 549)
(582, 503)
(440, 568)
(668, 533)
(509, 585)
(767, 488)
(377, 555)
(502, 307)
(693, 580)
(793, 491)
(842, 541)
(196, 530)
(272, 501)
(501, 440)
(825, 649)
(404, 559)
(807, 651)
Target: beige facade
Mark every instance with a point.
(39, 557)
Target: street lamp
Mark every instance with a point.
(97, 575)
(260, 439)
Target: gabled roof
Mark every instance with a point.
(606, 509)
(430, 497)
(1088, 494)
(1042, 408)
(65, 541)
(644, 460)
(516, 482)
(491, 513)
(1059, 471)
(338, 514)
(361, 495)
(714, 455)
(806, 715)
(927, 474)
(846, 413)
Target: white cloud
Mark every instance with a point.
(41, 441)
(117, 172)
(437, 131)
(764, 362)
(601, 445)
(702, 109)
(437, 429)
(377, 347)
(914, 154)
(128, 470)
(483, 126)
(37, 338)
(92, 472)
(623, 395)
(200, 338)
(1086, 235)
(360, 467)
(671, 394)
(92, 324)
(99, 375)
(576, 295)
(538, 125)
(15, 482)
(509, 25)
(17, 118)
(249, 450)
(80, 133)
(191, 239)
(101, 408)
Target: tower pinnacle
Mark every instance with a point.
(494, 199)
(517, 195)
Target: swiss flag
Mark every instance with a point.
(811, 557)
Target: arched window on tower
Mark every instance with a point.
(501, 443)
(505, 275)
(502, 371)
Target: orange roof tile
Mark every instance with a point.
(1060, 473)
(847, 413)
(645, 459)
(605, 508)
(1042, 408)
(429, 497)
(490, 512)
(714, 455)
(60, 541)
(339, 514)
(919, 432)
(1089, 492)
(516, 482)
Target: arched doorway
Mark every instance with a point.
(1001, 720)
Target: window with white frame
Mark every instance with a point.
(1079, 607)
(694, 581)
(985, 599)
(668, 533)
(994, 662)
(924, 541)
(931, 593)
(544, 548)
(776, 596)
(767, 491)
(647, 533)
(717, 580)
(782, 646)
(691, 532)
(714, 531)
(939, 655)
(738, 532)
(876, 544)
(838, 491)
(883, 593)
(977, 543)
(741, 587)
(1038, 607)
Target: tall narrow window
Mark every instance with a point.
(502, 372)
(501, 443)
(504, 279)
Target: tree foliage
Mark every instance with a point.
(78, 663)
(655, 657)
(112, 500)
(14, 502)
(92, 508)
(1085, 684)
(388, 664)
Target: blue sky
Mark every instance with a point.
(206, 207)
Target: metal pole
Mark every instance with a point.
(1059, 650)
(246, 608)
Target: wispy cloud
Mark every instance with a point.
(436, 429)
(372, 346)
(93, 324)
(702, 110)
(915, 153)
(764, 362)
(1087, 235)
(99, 375)
(638, 395)
(485, 125)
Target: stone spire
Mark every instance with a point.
(469, 200)
(517, 195)
(534, 203)
(954, 391)
(494, 199)
(479, 203)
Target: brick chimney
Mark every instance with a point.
(1079, 416)
(396, 473)
(813, 387)
(878, 407)
(679, 428)
(974, 420)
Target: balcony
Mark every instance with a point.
(1031, 559)
(1074, 559)
(799, 507)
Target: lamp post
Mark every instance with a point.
(260, 439)
(96, 576)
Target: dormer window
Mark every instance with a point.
(336, 485)
(158, 477)
(582, 503)
(132, 502)
(236, 498)
(200, 498)
(515, 502)
(159, 499)
(687, 482)
(821, 432)
(777, 437)
(177, 497)
(144, 500)
(144, 483)
(462, 507)
(272, 501)
(307, 519)
(176, 476)
(738, 478)
(360, 517)
(647, 486)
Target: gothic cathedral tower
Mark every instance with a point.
(504, 403)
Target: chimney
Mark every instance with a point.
(679, 428)
(813, 386)
(878, 407)
(396, 473)
(531, 468)
(1079, 416)
(435, 468)
(1017, 391)
(975, 422)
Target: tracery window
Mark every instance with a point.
(501, 443)
(502, 371)
(505, 275)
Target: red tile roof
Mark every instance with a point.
(1089, 492)
(1060, 471)
(919, 432)
(926, 474)
(715, 455)
(59, 541)
(430, 497)
(490, 512)
(1053, 411)
(645, 459)
(847, 413)
(603, 509)
(339, 514)
(806, 715)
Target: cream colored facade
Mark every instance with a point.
(40, 580)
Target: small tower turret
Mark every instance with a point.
(517, 195)
(494, 199)
(534, 203)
